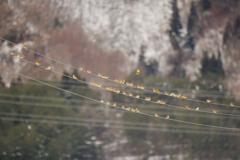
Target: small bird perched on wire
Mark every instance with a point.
(138, 72)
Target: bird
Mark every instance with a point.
(127, 83)
(231, 104)
(197, 108)
(74, 77)
(37, 63)
(20, 56)
(118, 91)
(187, 107)
(16, 55)
(167, 117)
(123, 92)
(137, 72)
(156, 115)
(108, 102)
(154, 90)
(89, 71)
(158, 91)
(80, 68)
(114, 104)
(158, 101)
(128, 108)
(48, 68)
(133, 109)
(12, 53)
(208, 100)
(123, 81)
(137, 96)
(123, 107)
(166, 93)
(130, 94)
(25, 46)
(137, 109)
(147, 98)
(214, 111)
(116, 80)
(99, 74)
(102, 101)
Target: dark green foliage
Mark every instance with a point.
(44, 141)
(205, 5)
(194, 145)
(147, 68)
(175, 24)
(57, 23)
(212, 65)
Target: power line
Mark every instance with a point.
(174, 120)
(103, 109)
(183, 108)
(117, 126)
(111, 79)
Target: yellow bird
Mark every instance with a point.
(102, 101)
(187, 107)
(130, 94)
(158, 91)
(25, 46)
(123, 107)
(123, 92)
(108, 102)
(118, 91)
(158, 101)
(154, 90)
(114, 90)
(37, 63)
(114, 104)
(214, 111)
(128, 108)
(127, 83)
(16, 55)
(166, 93)
(80, 68)
(167, 117)
(147, 98)
(48, 68)
(208, 100)
(137, 109)
(231, 104)
(116, 80)
(20, 56)
(156, 115)
(197, 108)
(99, 74)
(74, 77)
(137, 72)
(89, 71)
(137, 96)
(123, 81)
(104, 76)
(12, 53)
(133, 109)
(120, 81)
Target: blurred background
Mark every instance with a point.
(189, 47)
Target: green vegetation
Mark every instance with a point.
(23, 140)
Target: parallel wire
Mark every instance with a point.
(98, 120)
(150, 109)
(103, 109)
(183, 108)
(116, 126)
(113, 80)
(174, 120)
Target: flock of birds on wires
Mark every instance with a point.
(118, 91)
